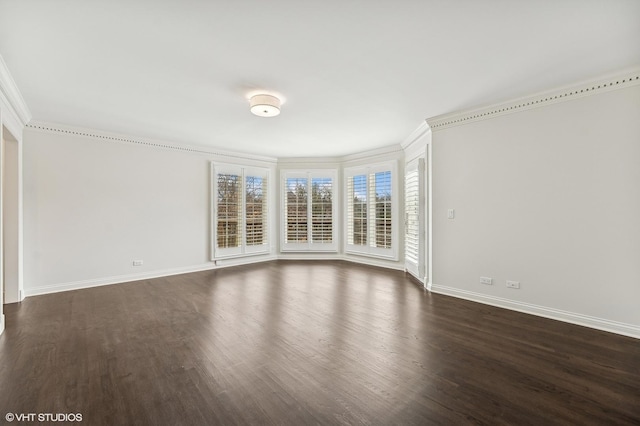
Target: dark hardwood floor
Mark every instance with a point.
(297, 343)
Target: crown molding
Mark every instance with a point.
(328, 161)
(379, 152)
(415, 146)
(334, 161)
(10, 96)
(55, 128)
(151, 143)
(416, 135)
(563, 94)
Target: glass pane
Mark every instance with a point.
(296, 210)
(228, 211)
(321, 210)
(256, 210)
(382, 209)
(357, 210)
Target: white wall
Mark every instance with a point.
(93, 206)
(10, 218)
(549, 197)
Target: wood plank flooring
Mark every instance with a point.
(303, 343)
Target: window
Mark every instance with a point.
(371, 211)
(309, 210)
(240, 214)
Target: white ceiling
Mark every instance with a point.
(355, 75)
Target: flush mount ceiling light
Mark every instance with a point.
(265, 105)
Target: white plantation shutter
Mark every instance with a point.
(380, 229)
(371, 207)
(321, 210)
(296, 209)
(240, 213)
(256, 211)
(414, 223)
(357, 196)
(309, 210)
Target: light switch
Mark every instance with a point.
(451, 214)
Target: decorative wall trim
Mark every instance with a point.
(567, 93)
(152, 143)
(11, 95)
(541, 311)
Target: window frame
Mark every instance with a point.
(370, 249)
(243, 249)
(310, 245)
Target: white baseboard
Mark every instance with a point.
(624, 329)
(119, 279)
(222, 263)
(372, 261)
(238, 261)
(421, 280)
(310, 256)
(1, 323)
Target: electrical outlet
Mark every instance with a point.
(513, 284)
(486, 280)
(137, 263)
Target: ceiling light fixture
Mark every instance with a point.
(265, 105)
